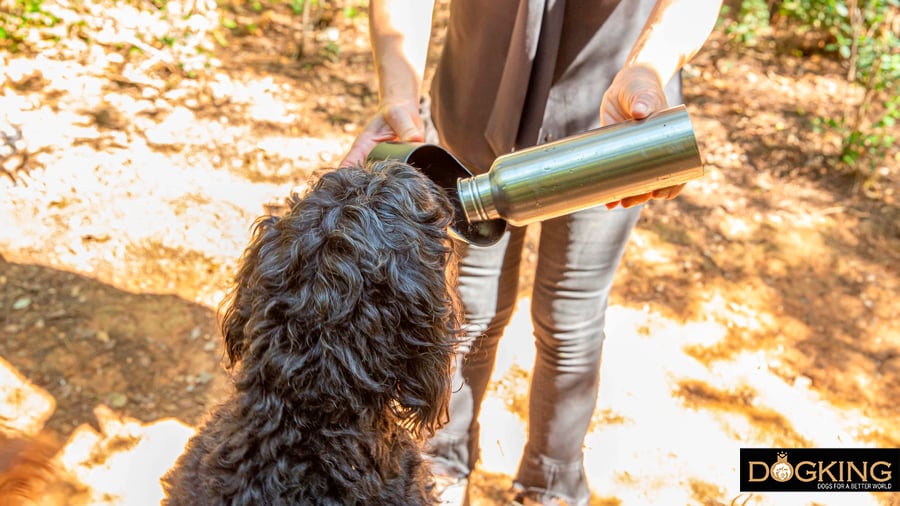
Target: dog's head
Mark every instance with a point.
(345, 305)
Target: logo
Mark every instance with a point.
(782, 470)
(820, 469)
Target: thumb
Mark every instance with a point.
(644, 104)
(640, 109)
(646, 99)
(356, 156)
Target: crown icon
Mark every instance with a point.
(782, 470)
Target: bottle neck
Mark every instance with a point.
(476, 198)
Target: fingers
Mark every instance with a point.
(643, 91)
(635, 93)
(636, 200)
(373, 133)
(668, 193)
(645, 101)
(398, 122)
(358, 152)
(406, 122)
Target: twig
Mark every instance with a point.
(304, 29)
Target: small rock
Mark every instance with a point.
(204, 377)
(802, 382)
(102, 336)
(21, 303)
(117, 400)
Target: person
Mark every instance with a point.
(514, 74)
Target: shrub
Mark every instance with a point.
(864, 35)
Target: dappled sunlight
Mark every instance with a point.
(122, 463)
(147, 164)
(669, 428)
(24, 406)
(505, 406)
(196, 209)
(757, 309)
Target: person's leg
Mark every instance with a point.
(488, 286)
(578, 257)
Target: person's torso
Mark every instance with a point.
(515, 73)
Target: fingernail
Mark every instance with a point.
(413, 136)
(640, 109)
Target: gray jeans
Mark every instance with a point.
(577, 260)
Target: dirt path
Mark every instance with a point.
(758, 309)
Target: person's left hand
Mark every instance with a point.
(393, 121)
(635, 93)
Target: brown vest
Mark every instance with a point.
(515, 73)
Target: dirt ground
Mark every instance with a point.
(759, 309)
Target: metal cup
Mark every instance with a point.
(445, 171)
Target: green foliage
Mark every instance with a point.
(863, 34)
(298, 5)
(21, 17)
(332, 51)
(750, 23)
(351, 12)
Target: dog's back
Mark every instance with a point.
(314, 473)
(341, 329)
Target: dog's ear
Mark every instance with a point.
(236, 309)
(232, 322)
(416, 287)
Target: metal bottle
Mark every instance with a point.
(561, 177)
(596, 167)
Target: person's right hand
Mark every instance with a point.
(635, 93)
(398, 121)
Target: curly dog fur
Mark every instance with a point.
(340, 330)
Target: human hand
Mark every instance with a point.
(399, 121)
(635, 93)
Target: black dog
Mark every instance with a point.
(340, 329)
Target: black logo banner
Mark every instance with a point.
(820, 469)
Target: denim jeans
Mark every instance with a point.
(577, 258)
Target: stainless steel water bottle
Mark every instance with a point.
(600, 166)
